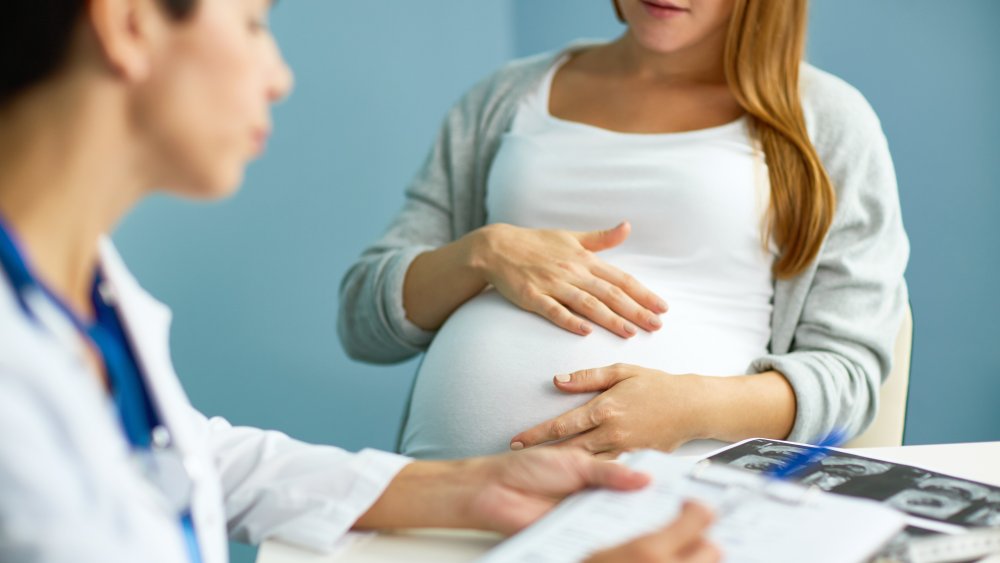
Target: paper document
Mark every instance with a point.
(770, 522)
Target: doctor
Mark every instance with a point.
(102, 458)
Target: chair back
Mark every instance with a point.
(887, 428)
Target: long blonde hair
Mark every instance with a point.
(765, 44)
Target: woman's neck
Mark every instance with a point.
(697, 63)
(67, 176)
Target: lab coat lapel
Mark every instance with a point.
(147, 324)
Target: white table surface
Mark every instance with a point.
(977, 461)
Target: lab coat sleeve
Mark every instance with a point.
(278, 487)
(51, 511)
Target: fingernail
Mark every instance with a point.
(563, 378)
(585, 328)
(516, 446)
(662, 305)
(655, 322)
(629, 329)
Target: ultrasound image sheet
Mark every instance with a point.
(934, 501)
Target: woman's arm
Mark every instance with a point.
(644, 408)
(739, 407)
(835, 326)
(442, 204)
(428, 262)
(441, 280)
(555, 274)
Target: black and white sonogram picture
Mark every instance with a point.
(913, 490)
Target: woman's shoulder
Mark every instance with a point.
(849, 140)
(835, 111)
(515, 78)
(533, 67)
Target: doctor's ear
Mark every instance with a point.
(127, 34)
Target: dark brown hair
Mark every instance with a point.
(35, 35)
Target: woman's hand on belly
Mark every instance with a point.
(645, 408)
(637, 408)
(556, 274)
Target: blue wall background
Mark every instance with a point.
(253, 280)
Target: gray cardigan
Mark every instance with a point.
(833, 326)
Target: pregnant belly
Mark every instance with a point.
(488, 373)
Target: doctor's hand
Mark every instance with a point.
(637, 408)
(556, 274)
(683, 541)
(503, 493)
(517, 489)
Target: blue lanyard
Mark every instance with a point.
(136, 413)
(128, 390)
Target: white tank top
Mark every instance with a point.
(696, 201)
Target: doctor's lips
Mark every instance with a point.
(662, 9)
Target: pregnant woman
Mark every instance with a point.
(753, 194)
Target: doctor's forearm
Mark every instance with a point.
(425, 494)
(441, 280)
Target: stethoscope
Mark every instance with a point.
(153, 450)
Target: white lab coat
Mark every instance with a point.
(69, 493)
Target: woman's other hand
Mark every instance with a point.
(683, 541)
(557, 274)
(645, 408)
(637, 408)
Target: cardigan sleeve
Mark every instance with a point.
(372, 322)
(851, 302)
(444, 202)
